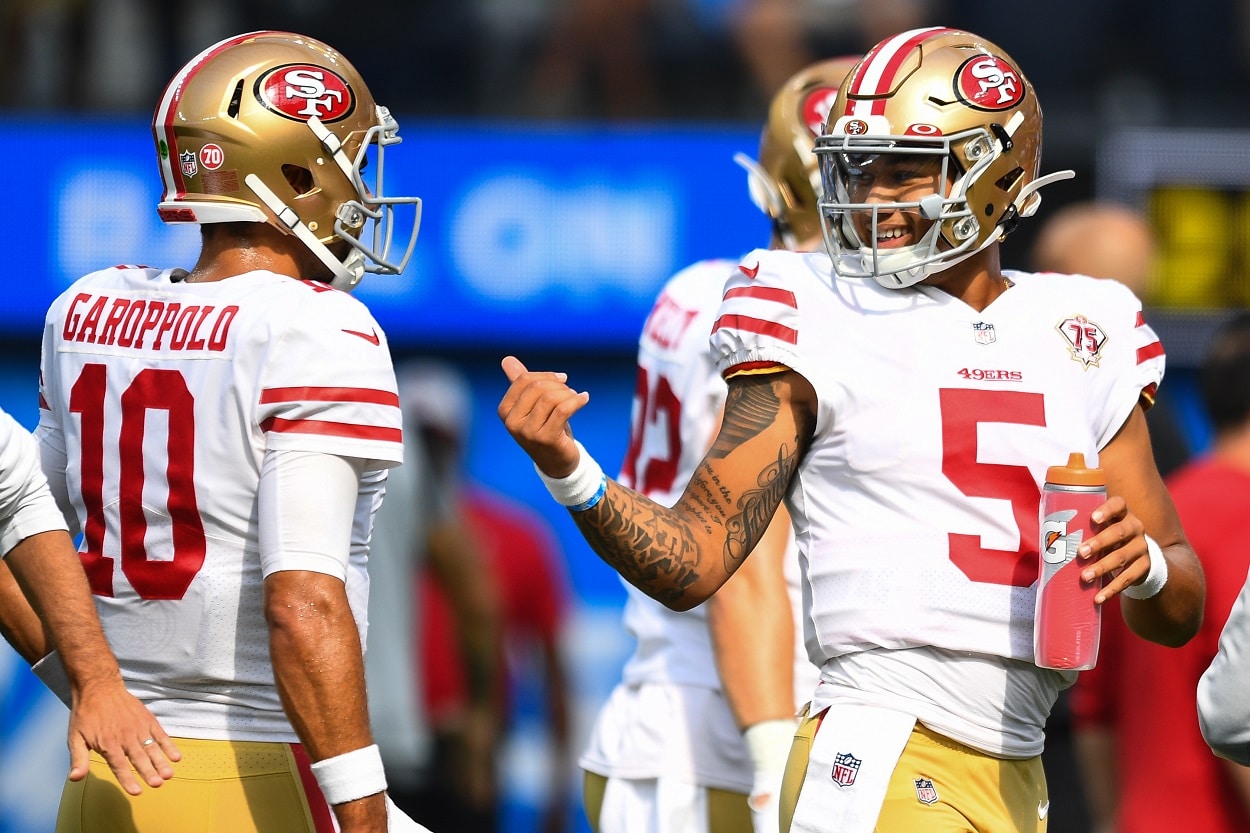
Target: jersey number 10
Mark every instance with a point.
(152, 389)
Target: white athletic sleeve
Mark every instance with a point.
(26, 504)
(51, 671)
(307, 511)
(1224, 689)
(54, 460)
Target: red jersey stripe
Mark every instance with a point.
(1141, 320)
(1150, 351)
(371, 396)
(278, 425)
(757, 325)
(768, 293)
(323, 822)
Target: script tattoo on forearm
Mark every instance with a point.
(654, 553)
(758, 506)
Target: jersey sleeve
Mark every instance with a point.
(1139, 358)
(1223, 708)
(1150, 358)
(26, 504)
(329, 385)
(49, 433)
(757, 326)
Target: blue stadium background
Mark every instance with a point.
(543, 242)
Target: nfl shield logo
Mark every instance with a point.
(845, 768)
(925, 791)
(983, 332)
(189, 166)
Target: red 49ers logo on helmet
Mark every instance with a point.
(987, 82)
(301, 91)
(816, 107)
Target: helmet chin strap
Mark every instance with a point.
(346, 274)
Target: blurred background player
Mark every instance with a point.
(222, 436)
(1167, 778)
(1099, 239)
(519, 573)
(45, 604)
(920, 555)
(704, 714)
(1223, 708)
(421, 525)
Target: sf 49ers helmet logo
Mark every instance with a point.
(301, 91)
(987, 82)
(816, 107)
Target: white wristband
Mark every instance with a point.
(51, 670)
(582, 488)
(769, 743)
(351, 775)
(1155, 579)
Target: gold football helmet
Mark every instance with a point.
(946, 105)
(278, 128)
(786, 179)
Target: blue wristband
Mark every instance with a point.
(595, 498)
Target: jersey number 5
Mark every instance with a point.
(962, 412)
(151, 390)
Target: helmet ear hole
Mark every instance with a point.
(299, 178)
(1009, 180)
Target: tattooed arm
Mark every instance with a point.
(678, 555)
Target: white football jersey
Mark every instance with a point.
(916, 509)
(677, 404)
(26, 504)
(166, 396)
(678, 399)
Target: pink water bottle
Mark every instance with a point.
(1068, 624)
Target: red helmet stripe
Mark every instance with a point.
(163, 122)
(880, 67)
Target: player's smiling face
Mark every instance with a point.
(883, 180)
